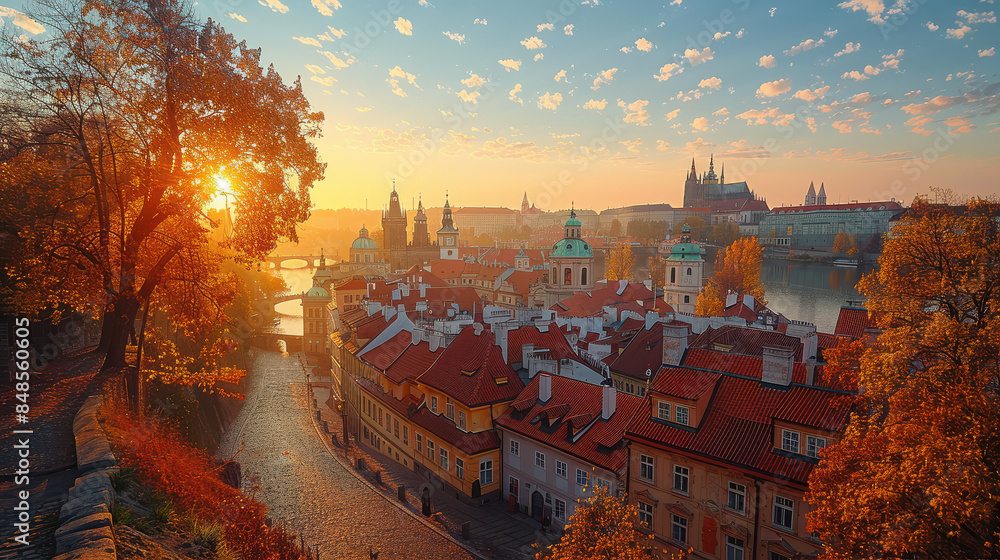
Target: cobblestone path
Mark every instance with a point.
(303, 485)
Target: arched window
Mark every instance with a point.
(689, 271)
(583, 276)
(368, 257)
(554, 276)
(673, 275)
(568, 276)
(687, 299)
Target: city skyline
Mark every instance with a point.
(571, 100)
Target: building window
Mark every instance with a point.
(568, 276)
(583, 276)
(598, 482)
(679, 528)
(734, 548)
(395, 426)
(687, 299)
(646, 515)
(581, 477)
(515, 448)
(406, 438)
(539, 459)
(459, 468)
(450, 409)
(646, 468)
(681, 479)
(814, 444)
(430, 450)
(512, 487)
(434, 405)
(485, 472)
(737, 497)
(681, 415)
(443, 458)
(663, 412)
(420, 443)
(673, 275)
(784, 509)
(561, 468)
(790, 441)
(689, 271)
(560, 510)
(461, 419)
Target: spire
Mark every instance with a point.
(722, 178)
(694, 174)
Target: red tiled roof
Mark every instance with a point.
(645, 351)
(472, 371)
(851, 207)
(852, 322)
(402, 408)
(369, 327)
(747, 340)
(824, 340)
(384, 354)
(414, 360)
(553, 340)
(591, 304)
(738, 364)
(417, 274)
(737, 427)
(742, 311)
(471, 443)
(483, 210)
(684, 383)
(574, 404)
(439, 300)
(353, 284)
(535, 256)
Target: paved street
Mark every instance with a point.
(304, 485)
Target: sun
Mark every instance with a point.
(222, 184)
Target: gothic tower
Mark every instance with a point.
(394, 231)
(448, 234)
(420, 236)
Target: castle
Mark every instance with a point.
(700, 191)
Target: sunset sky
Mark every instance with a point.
(603, 104)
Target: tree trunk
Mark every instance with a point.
(106, 324)
(118, 322)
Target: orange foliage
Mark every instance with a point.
(604, 528)
(737, 270)
(190, 479)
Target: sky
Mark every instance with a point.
(602, 104)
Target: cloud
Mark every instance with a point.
(544, 26)
(473, 81)
(668, 70)
(935, 105)
(712, 83)
(335, 60)
(604, 77)
(467, 96)
(315, 69)
(719, 35)
(742, 150)
(458, 37)
(644, 45)
(533, 43)
(804, 46)
(930, 25)
(479, 21)
(830, 33)
(539, 56)
(560, 76)
(767, 61)
(772, 89)
(363, 109)
(721, 112)
(662, 145)
(672, 115)
(632, 145)
(499, 148)
(404, 26)
(338, 33)
(549, 101)
(961, 125)
(959, 32)
(395, 75)
(237, 17)
(739, 34)
(849, 48)
(625, 50)
(843, 127)
(697, 58)
(864, 98)
(772, 115)
(698, 147)
(323, 6)
(700, 123)
(512, 94)
(982, 17)
(510, 64)
(842, 155)
(327, 81)
(568, 29)
(987, 52)
(854, 75)
(810, 95)
(595, 104)
(275, 5)
(635, 112)
(874, 8)
(308, 41)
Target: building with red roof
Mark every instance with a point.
(853, 322)
(561, 438)
(591, 303)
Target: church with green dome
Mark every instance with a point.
(684, 271)
(571, 266)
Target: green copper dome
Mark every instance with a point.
(318, 291)
(363, 242)
(570, 247)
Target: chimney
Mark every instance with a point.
(544, 387)
(526, 351)
(777, 365)
(477, 328)
(806, 332)
(652, 317)
(423, 290)
(415, 338)
(434, 341)
(395, 294)
(500, 338)
(675, 341)
(731, 299)
(608, 402)
(811, 371)
(749, 301)
(401, 308)
(404, 290)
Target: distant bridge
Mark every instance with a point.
(276, 262)
(289, 297)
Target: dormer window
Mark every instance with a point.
(790, 441)
(814, 444)
(681, 415)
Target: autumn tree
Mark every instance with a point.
(724, 234)
(616, 228)
(133, 109)
(619, 262)
(657, 270)
(697, 226)
(737, 270)
(845, 243)
(917, 472)
(602, 528)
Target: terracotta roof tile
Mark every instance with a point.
(412, 362)
(471, 443)
(591, 304)
(384, 354)
(472, 371)
(553, 340)
(644, 351)
(852, 322)
(746, 340)
(403, 408)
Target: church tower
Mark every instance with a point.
(421, 238)
(694, 193)
(448, 234)
(394, 231)
(524, 203)
(821, 197)
(684, 271)
(811, 195)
